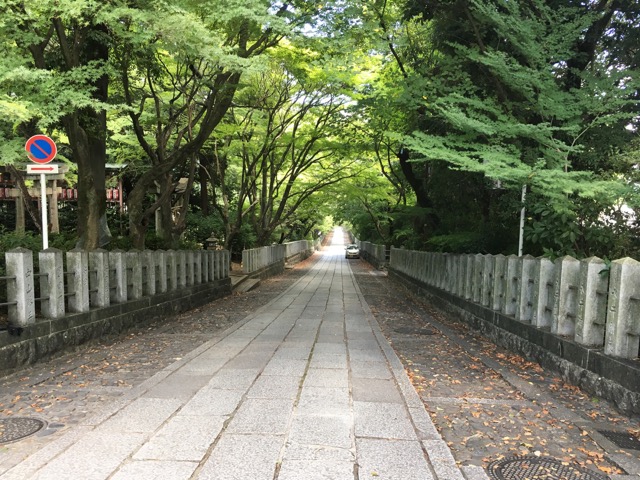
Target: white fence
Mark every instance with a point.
(595, 304)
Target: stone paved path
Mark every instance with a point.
(306, 387)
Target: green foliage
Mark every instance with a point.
(488, 96)
(459, 242)
(282, 115)
(587, 229)
(11, 240)
(200, 227)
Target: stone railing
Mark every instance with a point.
(579, 317)
(256, 259)
(374, 254)
(298, 249)
(583, 300)
(77, 296)
(99, 278)
(273, 257)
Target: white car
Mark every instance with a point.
(352, 251)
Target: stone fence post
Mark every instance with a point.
(486, 299)
(189, 259)
(512, 282)
(247, 261)
(20, 288)
(172, 270)
(134, 268)
(163, 271)
(543, 291)
(527, 268)
(213, 265)
(99, 293)
(118, 267)
(226, 263)
(623, 313)
(499, 282)
(78, 281)
(199, 268)
(204, 258)
(440, 270)
(51, 283)
(149, 266)
(565, 308)
(181, 262)
(461, 267)
(592, 302)
(468, 276)
(478, 267)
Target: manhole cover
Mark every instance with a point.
(16, 428)
(622, 439)
(529, 467)
(415, 331)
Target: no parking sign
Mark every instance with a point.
(41, 149)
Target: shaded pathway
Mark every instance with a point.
(296, 381)
(305, 387)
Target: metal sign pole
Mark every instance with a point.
(43, 205)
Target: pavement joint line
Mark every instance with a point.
(352, 430)
(283, 448)
(403, 383)
(244, 397)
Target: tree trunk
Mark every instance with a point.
(165, 212)
(89, 153)
(87, 131)
(204, 184)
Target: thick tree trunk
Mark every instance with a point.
(418, 185)
(138, 220)
(87, 132)
(90, 154)
(164, 227)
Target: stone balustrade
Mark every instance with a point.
(580, 318)
(259, 259)
(256, 259)
(582, 300)
(300, 247)
(374, 254)
(99, 278)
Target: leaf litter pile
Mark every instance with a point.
(482, 416)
